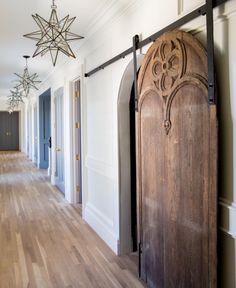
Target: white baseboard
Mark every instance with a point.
(101, 226)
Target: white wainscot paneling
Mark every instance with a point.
(101, 193)
(99, 212)
(99, 117)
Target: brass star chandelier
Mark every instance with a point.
(27, 81)
(22, 88)
(54, 35)
(15, 99)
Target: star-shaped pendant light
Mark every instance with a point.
(27, 81)
(15, 99)
(54, 35)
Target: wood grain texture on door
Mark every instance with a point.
(177, 166)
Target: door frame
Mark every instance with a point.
(35, 132)
(75, 141)
(70, 89)
(49, 93)
(21, 136)
(125, 89)
(31, 131)
(59, 92)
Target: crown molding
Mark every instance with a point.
(112, 12)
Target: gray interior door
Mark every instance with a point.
(59, 143)
(9, 131)
(44, 127)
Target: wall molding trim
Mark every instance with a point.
(226, 202)
(227, 217)
(99, 167)
(228, 8)
(181, 4)
(101, 225)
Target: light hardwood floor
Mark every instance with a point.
(43, 240)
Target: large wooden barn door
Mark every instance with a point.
(177, 160)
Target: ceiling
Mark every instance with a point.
(16, 20)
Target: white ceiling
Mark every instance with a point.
(16, 20)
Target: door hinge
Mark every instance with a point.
(77, 94)
(77, 157)
(140, 251)
(77, 125)
(136, 105)
(140, 247)
(77, 188)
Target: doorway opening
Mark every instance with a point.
(9, 131)
(59, 140)
(133, 170)
(127, 161)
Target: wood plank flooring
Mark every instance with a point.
(43, 240)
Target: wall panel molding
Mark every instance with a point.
(180, 7)
(227, 217)
(99, 167)
(186, 6)
(198, 25)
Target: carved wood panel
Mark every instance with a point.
(177, 160)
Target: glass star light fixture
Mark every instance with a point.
(27, 81)
(15, 99)
(54, 35)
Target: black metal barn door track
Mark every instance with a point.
(206, 9)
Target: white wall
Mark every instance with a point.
(99, 112)
(226, 69)
(101, 93)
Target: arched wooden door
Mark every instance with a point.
(177, 166)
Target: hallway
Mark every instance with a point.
(43, 240)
